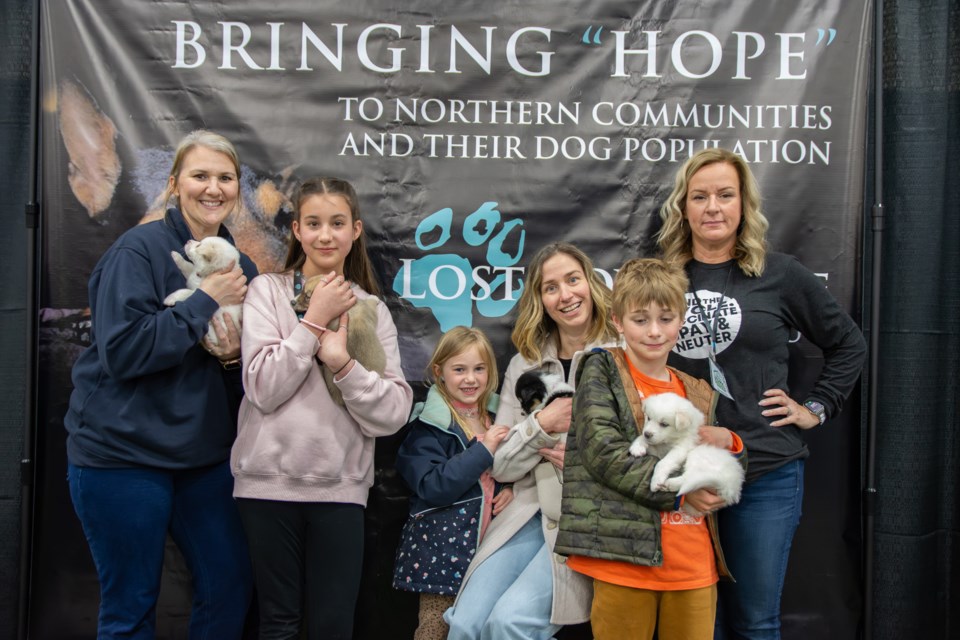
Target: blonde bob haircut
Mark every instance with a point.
(198, 138)
(454, 342)
(534, 327)
(642, 281)
(675, 239)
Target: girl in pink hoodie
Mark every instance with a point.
(303, 461)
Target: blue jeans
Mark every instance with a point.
(510, 595)
(756, 535)
(126, 514)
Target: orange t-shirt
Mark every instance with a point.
(688, 560)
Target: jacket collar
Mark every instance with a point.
(435, 411)
(548, 356)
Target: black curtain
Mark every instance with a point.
(917, 581)
(15, 25)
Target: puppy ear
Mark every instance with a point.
(689, 416)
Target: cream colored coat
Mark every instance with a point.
(516, 460)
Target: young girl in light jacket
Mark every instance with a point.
(303, 463)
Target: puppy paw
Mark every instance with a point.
(637, 449)
(671, 484)
(177, 296)
(659, 480)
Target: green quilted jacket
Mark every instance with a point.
(608, 509)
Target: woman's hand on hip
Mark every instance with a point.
(786, 410)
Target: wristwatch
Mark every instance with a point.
(816, 409)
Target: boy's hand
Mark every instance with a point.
(502, 499)
(494, 436)
(716, 436)
(704, 500)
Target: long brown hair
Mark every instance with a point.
(675, 238)
(356, 266)
(534, 326)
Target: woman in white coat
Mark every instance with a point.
(515, 587)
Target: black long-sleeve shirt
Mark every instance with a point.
(757, 319)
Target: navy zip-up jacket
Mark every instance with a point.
(145, 392)
(436, 461)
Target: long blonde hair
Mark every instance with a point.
(357, 266)
(675, 239)
(534, 326)
(454, 342)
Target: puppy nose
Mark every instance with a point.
(648, 434)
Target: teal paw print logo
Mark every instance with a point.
(452, 284)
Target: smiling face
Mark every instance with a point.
(464, 376)
(565, 294)
(326, 231)
(713, 210)
(207, 188)
(650, 333)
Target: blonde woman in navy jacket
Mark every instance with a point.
(154, 411)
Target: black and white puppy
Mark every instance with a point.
(536, 389)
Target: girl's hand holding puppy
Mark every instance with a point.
(494, 436)
(333, 349)
(331, 298)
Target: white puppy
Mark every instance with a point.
(670, 432)
(207, 256)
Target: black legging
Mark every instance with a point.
(307, 559)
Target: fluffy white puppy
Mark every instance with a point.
(670, 432)
(207, 256)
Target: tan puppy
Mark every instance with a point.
(363, 345)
